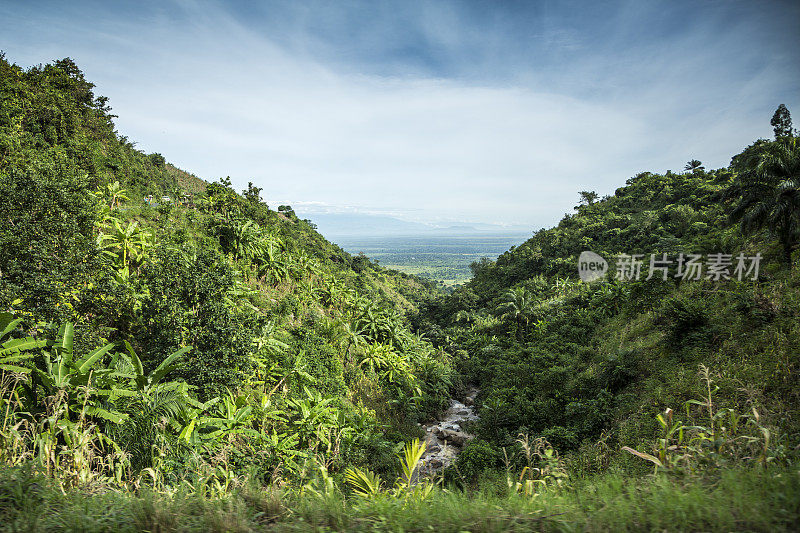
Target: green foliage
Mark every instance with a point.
(782, 122)
(304, 372)
(367, 484)
(47, 251)
(15, 351)
(586, 366)
(740, 500)
(725, 437)
(185, 306)
(687, 323)
(476, 458)
(766, 191)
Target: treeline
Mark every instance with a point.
(591, 367)
(193, 341)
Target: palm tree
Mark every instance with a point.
(147, 402)
(767, 190)
(694, 165)
(517, 303)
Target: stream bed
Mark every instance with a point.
(444, 438)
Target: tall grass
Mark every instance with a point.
(754, 499)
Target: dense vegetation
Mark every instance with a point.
(176, 355)
(592, 367)
(167, 334)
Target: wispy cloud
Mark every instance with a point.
(435, 110)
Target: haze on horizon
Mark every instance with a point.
(427, 111)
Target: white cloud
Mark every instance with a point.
(220, 98)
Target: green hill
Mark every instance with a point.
(313, 340)
(176, 355)
(590, 366)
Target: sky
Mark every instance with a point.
(486, 111)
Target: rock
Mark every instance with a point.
(435, 448)
(456, 438)
(436, 463)
(435, 430)
(464, 412)
(469, 402)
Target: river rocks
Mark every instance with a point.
(444, 438)
(456, 438)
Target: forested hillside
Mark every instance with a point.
(196, 324)
(177, 355)
(591, 367)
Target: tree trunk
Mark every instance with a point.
(787, 251)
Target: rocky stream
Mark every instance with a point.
(444, 438)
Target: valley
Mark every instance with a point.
(444, 259)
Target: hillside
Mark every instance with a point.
(265, 311)
(592, 366)
(203, 362)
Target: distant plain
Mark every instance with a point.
(442, 258)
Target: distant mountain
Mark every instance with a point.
(356, 224)
(334, 225)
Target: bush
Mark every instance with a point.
(47, 249)
(687, 323)
(477, 457)
(186, 306)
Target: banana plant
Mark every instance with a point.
(111, 194)
(15, 351)
(195, 430)
(245, 240)
(267, 342)
(313, 416)
(146, 383)
(379, 325)
(233, 416)
(283, 447)
(385, 362)
(301, 264)
(63, 372)
(266, 348)
(333, 293)
(238, 296)
(125, 245)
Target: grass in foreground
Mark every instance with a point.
(739, 500)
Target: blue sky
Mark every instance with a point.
(430, 111)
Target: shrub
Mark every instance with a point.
(476, 457)
(687, 323)
(186, 306)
